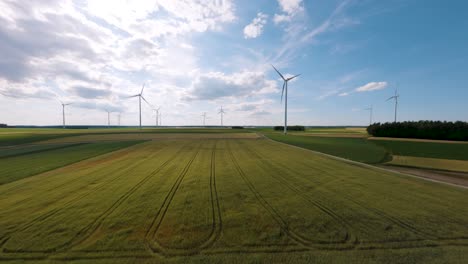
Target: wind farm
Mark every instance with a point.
(293, 132)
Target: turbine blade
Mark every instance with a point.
(290, 78)
(132, 96)
(282, 91)
(142, 88)
(282, 77)
(390, 98)
(145, 101)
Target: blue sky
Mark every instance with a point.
(195, 56)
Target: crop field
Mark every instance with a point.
(220, 199)
(18, 136)
(430, 163)
(357, 149)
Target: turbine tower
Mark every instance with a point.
(221, 112)
(140, 96)
(157, 115)
(160, 119)
(371, 109)
(118, 119)
(395, 97)
(285, 87)
(63, 112)
(204, 118)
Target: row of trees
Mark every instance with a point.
(421, 129)
(290, 128)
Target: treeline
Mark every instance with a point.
(421, 129)
(290, 128)
(3, 125)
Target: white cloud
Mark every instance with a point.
(343, 94)
(164, 17)
(255, 28)
(372, 86)
(215, 85)
(290, 6)
(281, 18)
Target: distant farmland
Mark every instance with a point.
(224, 198)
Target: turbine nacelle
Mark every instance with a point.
(285, 81)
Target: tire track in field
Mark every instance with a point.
(274, 213)
(90, 229)
(150, 235)
(216, 224)
(53, 212)
(337, 218)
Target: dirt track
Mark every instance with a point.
(456, 178)
(418, 140)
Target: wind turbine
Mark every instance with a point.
(118, 119)
(371, 109)
(204, 118)
(160, 119)
(108, 118)
(396, 102)
(221, 112)
(157, 115)
(285, 87)
(140, 96)
(63, 112)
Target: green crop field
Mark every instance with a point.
(354, 145)
(455, 151)
(36, 159)
(211, 199)
(357, 149)
(18, 136)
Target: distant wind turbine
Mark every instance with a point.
(157, 115)
(108, 118)
(371, 109)
(395, 97)
(160, 119)
(221, 112)
(118, 118)
(285, 87)
(204, 118)
(63, 112)
(140, 96)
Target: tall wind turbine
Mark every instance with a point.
(157, 115)
(285, 87)
(63, 112)
(371, 109)
(221, 112)
(204, 118)
(140, 96)
(395, 97)
(118, 118)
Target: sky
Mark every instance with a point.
(196, 56)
